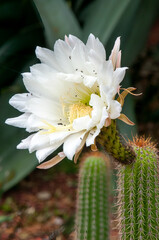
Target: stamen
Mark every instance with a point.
(78, 110)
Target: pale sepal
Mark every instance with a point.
(126, 91)
(94, 147)
(125, 119)
(52, 162)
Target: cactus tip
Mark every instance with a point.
(142, 142)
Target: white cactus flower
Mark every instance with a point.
(71, 96)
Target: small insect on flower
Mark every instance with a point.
(71, 96)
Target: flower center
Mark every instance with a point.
(78, 110)
(74, 111)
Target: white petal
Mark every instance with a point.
(69, 77)
(78, 57)
(20, 121)
(38, 141)
(25, 143)
(62, 52)
(34, 123)
(89, 81)
(47, 81)
(81, 123)
(42, 70)
(107, 94)
(95, 61)
(47, 56)
(118, 75)
(72, 41)
(59, 136)
(91, 137)
(118, 61)
(95, 100)
(106, 74)
(97, 104)
(79, 149)
(115, 52)
(42, 76)
(45, 108)
(115, 109)
(31, 84)
(72, 143)
(97, 46)
(18, 101)
(45, 152)
(103, 118)
(95, 131)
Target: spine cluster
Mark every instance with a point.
(138, 196)
(111, 142)
(92, 218)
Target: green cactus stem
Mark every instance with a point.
(111, 142)
(92, 217)
(138, 194)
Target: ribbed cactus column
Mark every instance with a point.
(111, 142)
(138, 196)
(92, 218)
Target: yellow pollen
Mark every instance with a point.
(78, 110)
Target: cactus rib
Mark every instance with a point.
(138, 195)
(92, 218)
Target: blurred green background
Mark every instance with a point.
(25, 24)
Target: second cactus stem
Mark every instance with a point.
(92, 218)
(112, 143)
(138, 194)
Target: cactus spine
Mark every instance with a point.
(111, 142)
(92, 218)
(138, 196)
